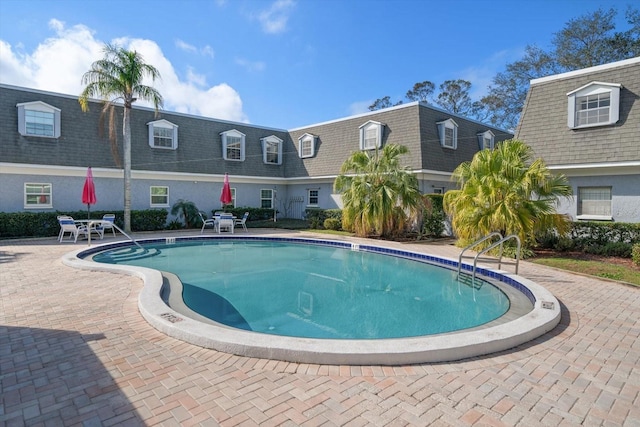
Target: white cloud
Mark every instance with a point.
(274, 20)
(58, 63)
(207, 51)
(359, 107)
(252, 66)
(204, 51)
(182, 45)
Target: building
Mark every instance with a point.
(47, 143)
(586, 125)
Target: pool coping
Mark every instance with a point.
(397, 351)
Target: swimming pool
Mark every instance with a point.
(160, 304)
(317, 291)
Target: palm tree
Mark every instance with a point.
(503, 190)
(378, 194)
(118, 78)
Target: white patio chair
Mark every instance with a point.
(108, 220)
(68, 225)
(242, 221)
(206, 222)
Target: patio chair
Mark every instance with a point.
(108, 220)
(206, 222)
(242, 221)
(225, 221)
(68, 225)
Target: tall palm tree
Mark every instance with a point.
(117, 78)
(505, 190)
(378, 194)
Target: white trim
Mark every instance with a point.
(272, 139)
(613, 85)
(236, 134)
(307, 137)
(583, 71)
(371, 124)
(442, 129)
(590, 90)
(163, 124)
(159, 205)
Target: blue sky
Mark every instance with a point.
(282, 63)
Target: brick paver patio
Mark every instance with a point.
(74, 350)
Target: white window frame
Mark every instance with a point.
(593, 91)
(443, 126)
(163, 126)
(438, 190)
(46, 191)
(600, 208)
(235, 134)
(38, 107)
(263, 198)
(310, 197)
(367, 141)
(152, 195)
(267, 144)
(307, 146)
(486, 140)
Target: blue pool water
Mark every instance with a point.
(317, 291)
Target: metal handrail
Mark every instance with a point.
(100, 222)
(504, 239)
(477, 242)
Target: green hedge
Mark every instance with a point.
(601, 238)
(317, 217)
(45, 224)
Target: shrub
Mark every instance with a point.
(187, 211)
(316, 217)
(45, 224)
(635, 254)
(613, 249)
(548, 240)
(332, 224)
(434, 216)
(255, 214)
(564, 244)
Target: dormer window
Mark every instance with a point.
(448, 133)
(38, 119)
(163, 134)
(307, 145)
(233, 145)
(486, 140)
(272, 150)
(371, 135)
(595, 104)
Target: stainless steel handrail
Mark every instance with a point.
(100, 222)
(477, 242)
(504, 239)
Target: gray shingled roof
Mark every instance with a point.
(543, 124)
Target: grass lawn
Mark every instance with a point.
(610, 268)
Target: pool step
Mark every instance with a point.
(470, 281)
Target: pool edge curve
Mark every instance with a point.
(544, 317)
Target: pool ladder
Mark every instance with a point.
(499, 243)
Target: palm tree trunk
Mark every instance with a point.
(126, 123)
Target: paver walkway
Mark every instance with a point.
(74, 350)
